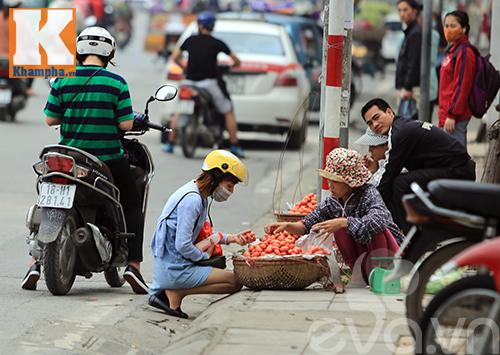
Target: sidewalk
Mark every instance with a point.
(312, 321)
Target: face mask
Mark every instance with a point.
(221, 194)
(453, 35)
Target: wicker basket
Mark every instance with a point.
(294, 273)
(289, 217)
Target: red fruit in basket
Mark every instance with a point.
(284, 249)
(246, 254)
(255, 255)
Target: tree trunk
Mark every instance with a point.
(491, 171)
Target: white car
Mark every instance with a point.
(393, 38)
(270, 89)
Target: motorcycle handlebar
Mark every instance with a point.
(157, 127)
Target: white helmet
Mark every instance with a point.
(95, 40)
(12, 3)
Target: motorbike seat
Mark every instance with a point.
(476, 198)
(80, 156)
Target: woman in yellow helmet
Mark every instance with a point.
(176, 269)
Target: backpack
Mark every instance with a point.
(486, 83)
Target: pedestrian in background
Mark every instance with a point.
(408, 62)
(456, 77)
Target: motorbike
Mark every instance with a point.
(12, 96)
(468, 309)
(452, 216)
(78, 226)
(199, 124)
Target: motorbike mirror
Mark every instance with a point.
(166, 93)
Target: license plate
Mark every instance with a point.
(5, 96)
(186, 107)
(235, 84)
(56, 195)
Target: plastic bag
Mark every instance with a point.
(206, 233)
(332, 280)
(408, 108)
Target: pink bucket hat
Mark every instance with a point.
(346, 165)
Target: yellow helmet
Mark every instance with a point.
(226, 162)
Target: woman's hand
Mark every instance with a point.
(272, 228)
(330, 226)
(242, 238)
(449, 125)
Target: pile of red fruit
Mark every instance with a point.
(280, 244)
(305, 206)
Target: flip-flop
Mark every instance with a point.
(160, 302)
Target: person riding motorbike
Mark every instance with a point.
(201, 69)
(92, 108)
(177, 271)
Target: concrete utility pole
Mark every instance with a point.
(425, 64)
(335, 84)
(491, 171)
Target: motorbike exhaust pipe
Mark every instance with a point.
(88, 254)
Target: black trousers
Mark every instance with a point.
(401, 186)
(132, 205)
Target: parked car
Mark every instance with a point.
(394, 36)
(270, 89)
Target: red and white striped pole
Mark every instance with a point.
(334, 112)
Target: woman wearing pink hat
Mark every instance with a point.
(355, 212)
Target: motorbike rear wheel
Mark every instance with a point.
(419, 280)
(189, 137)
(59, 258)
(114, 277)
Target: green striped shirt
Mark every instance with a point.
(90, 121)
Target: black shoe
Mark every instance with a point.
(134, 278)
(31, 278)
(160, 301)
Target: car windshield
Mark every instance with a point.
(252, 43)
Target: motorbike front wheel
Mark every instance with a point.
(456, 320)
(114, 277)
(417, 287)
(59, 258)
(189, 136)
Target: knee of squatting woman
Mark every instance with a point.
(355, 213)
(175, 272)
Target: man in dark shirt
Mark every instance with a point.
(427, 152)
(201, 69)
(408, 63)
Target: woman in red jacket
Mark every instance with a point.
(456, 77)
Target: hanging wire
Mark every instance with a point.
(278, 186)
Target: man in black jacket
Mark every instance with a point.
(427, 152)
(408, 63)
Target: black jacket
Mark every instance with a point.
(408, 63)
(418, 145)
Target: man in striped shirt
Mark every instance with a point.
(92, 108)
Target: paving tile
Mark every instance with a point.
(229, 349)
(292, 306)
(294, 296)
(260, 338)
(341, 347)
